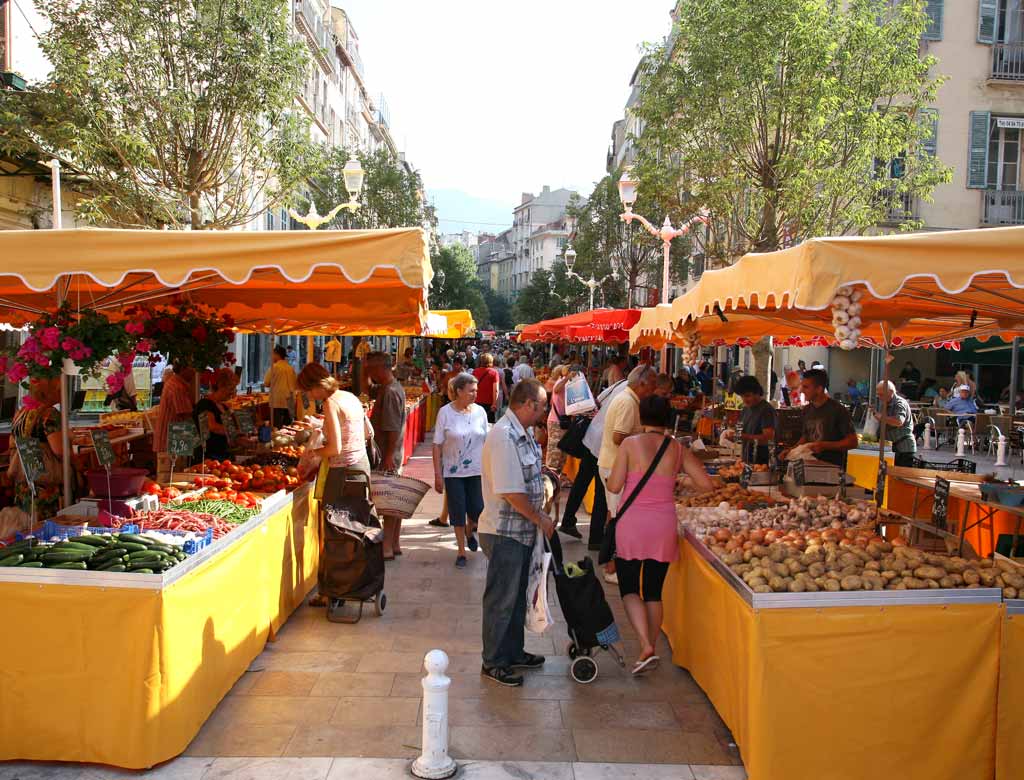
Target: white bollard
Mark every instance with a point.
(1001, 451)
(961, 442)
(434, 762)
(927, 435)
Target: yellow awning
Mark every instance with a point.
(281, 281)
(917, 289)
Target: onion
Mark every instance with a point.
(722, 534)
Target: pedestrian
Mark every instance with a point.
(646, 530)
(523, 370)
(555, 458)
(280, 378)
(293, 358)
(459, 434)
(388, 420)
(491, 386)
(899, 423)
(513, 490)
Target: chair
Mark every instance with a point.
(970, 439)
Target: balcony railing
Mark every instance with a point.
(1002, 207)
(901, 206)
(1008, 62)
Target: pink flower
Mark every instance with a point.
(3, 364)
(17, 372)
(50, 338)
(126, 359)
(229, 358)
(30, 403)
(30, 347)
(69, 344)
(199, 333)
(144, 346)
(115, 382)
(42, 360)
(135, 328)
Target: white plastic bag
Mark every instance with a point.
(538, 614)
(871, 426)
(578, 397)
(309, 463)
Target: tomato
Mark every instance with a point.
(172, 492)
(258, 474)
(213, 495)
(152, 489)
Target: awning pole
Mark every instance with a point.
(886, 359)
(1014, 375)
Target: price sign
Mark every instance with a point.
(940, 506)
(104, 450)
(883, 471)
(745, 476)
(246, 423)
(799, 475)
(182, 438)
(30, 452)
(230, 428)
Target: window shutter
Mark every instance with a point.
(929, 144)
(933, 32)
(987, 21)
(977, 151)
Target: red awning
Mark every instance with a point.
(608, 325)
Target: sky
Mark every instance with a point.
(490, 99)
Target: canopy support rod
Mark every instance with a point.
(163, 293)
(1014, 375)
(22, 307)
(953, 303)
(884, 408)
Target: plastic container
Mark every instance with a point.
(123, 482)
(998, 493)
(51, 530)
(189, 546)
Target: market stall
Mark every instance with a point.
(149, 611)
(609, 326)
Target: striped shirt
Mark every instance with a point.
(511, 464)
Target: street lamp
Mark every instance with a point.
(628, 187)
(591, 284)
(353, 175)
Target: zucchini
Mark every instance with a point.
(133, 546)
(134, 539)
(151, 565)
(67, 544)
(108, 552)
(12, 560)
(68, 565)
(65, 557)
(143, 571)
(162, 548)
(95, 541)
(115, 567)
(145, 555)
(31, 565)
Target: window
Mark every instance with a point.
(270, 220)
(1003, 156)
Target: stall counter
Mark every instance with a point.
(126, 676)
(842, 693)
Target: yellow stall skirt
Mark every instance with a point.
(1010, 728)
(848, 693)
(127, 676)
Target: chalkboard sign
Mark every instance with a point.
(246, 423)
(745, 476)
(940, 506)
(104, 451)
(30, 452)
(230, 428)
(799, 475)
(883, 471)
(182, 438)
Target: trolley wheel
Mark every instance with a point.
(380, 603)
(572, 651)
(583, 670)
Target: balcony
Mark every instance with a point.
(1008, 62)
(901, 207)
(1002, 207)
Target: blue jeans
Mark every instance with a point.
(465, 497)
(504, 602)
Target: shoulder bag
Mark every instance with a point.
(608, 543)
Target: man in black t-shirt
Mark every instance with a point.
(827, 424)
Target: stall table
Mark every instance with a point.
(124, 669)
(415, 428)
(851, 688)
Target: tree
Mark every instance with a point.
(392, 193)
(499, 309)
(603, 243)
(171, 113)
(789, 119)
(460, 288)
(537, 301)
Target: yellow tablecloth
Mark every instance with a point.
(850, 693)
(127, 676)
(1010, 726)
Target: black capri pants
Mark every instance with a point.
(641, 578)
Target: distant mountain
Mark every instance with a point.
(458, 211)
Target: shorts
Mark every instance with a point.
(641, 578)
(465, 497)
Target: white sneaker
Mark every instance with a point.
(611, 579)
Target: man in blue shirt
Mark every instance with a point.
(962, 405)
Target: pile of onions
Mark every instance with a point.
(846, 319)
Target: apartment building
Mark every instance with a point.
(533, 214)
(492, 252)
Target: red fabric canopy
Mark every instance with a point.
(608, 325)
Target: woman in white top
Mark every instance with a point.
(459, 435)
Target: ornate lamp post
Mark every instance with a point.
(591, 284)
(353, 174)
(627, 194)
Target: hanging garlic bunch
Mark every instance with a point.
(846, 320)
(691, 349)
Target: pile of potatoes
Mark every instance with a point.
(827, 566)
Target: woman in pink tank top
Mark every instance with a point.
(646, 535)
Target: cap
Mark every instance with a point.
(964, 387)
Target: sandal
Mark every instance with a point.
(438, 524)
(647, 665)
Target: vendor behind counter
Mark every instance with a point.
(757, 420)
(827, 428)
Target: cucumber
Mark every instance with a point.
(31, 565)
(65, 557)
(95, 541)
(115, 567)
(21, 546)
(109, 552)
(151, 565)
(134, 539)
(162, 548)
(145, 555)
(68, 565)
(133, 546)
(75, 546)
(143, 571)
(12, 560)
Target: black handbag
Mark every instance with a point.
(608, 543)
(571, 442)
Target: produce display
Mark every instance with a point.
(184, 520)
(116, 552)
(236, 510)
(735, 471)
(124, 419)
(731, 494)
(225, 475)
